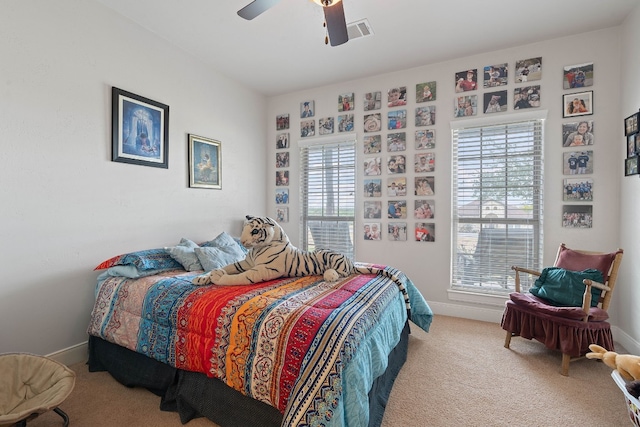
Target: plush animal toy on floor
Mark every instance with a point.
(271, 256)
(628, 365)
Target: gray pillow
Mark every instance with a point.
(184, 253)
(221, 251)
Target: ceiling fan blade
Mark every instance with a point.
(336, 24)
(255, 8)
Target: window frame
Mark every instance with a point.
(332, 225)
(478, 293)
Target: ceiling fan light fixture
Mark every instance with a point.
(326, 3)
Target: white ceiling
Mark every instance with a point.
(283, 49)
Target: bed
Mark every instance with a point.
(291, 351)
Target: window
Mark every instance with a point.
(328, 188)
(497, 205)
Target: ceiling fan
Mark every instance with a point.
(333, 17)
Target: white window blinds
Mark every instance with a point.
(497, 204)
(328, 188)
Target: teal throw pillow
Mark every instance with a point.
(564, 288)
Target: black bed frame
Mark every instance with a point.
(195, 395)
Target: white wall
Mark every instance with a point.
(627, 296)
(428, 263)
(64, 205)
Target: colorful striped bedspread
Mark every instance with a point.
(288, 342)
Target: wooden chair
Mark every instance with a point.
(567, 329)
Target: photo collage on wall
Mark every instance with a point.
(492, 81)
(578, 139)
(282, 160)
(632, 138)
(398, 135)
(399, 163)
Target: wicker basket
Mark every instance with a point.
(633, 406)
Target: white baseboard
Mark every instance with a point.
(72, 355)
(630, 345)
(467, 312)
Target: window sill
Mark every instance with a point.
(477, 298)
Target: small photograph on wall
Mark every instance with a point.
(372, 101)
(426, 116)
(426, 139)
(577, 216)
(465, 106)
(396, 187)
(372, 122)
(325, 125)
(495, 102)
(466, 80)
(307, 128)
(282, 140)
(496, 75)
(372, 231)
(372, 144)
(425, 185)
(425, 162)
(576, 134)
(424, 209)
(397, 164)
(579, 75)
(397, 97)
(577, 162)
(636, 137)
(372, 187)
(396, 141)
(372, 166)
(425, 232)
(631, 166)
(528, 70)
(345, 102)
(578, 190)
(632, 145)
(345, 123)
(373, 210)
(282, 159)
(282, 196)
(397, 231)
(306, 109)
(526, 97)
(426, 92)
(282, 178)
(282, 214)
(397, 119)
(631, 124)
(282, 121)
(577, 104)
(397, 209)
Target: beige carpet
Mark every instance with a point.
(459, 374)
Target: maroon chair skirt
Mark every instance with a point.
(566, 334)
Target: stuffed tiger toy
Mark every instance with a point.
(272, 256)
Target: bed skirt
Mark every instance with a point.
(195, 395)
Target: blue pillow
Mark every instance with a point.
(222, 239)
(184, 253)
(219, 252)
(129, 271)
(564, 288)
(150, 259)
